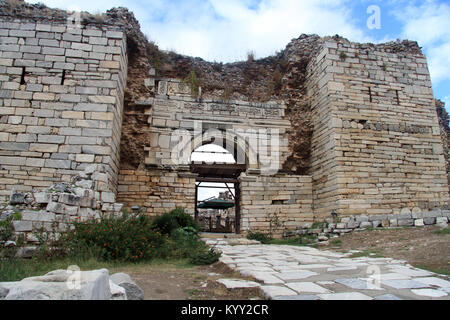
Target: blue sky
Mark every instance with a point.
(226, 30)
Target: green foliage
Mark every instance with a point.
(259, 236)
(302, 240)
(442, 231)
(319, 225)
(205, 257)
(6, 231)
(336, 242)
(125, 238)
(192, 81)
(176, 218)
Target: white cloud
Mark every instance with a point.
(218, 30)
(429, 24)
(227, 30)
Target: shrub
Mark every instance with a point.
(205, 257)
(259, 236)
(176, 218)
(125, 238)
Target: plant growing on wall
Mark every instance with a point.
(192, 81)
(274, 221)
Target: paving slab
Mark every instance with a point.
(345, 296)
(266, 277)
(274, 291)
(333, 269)
(306, 273)
(388, 296)
(298, 275)
(238, 283)
(412, 272)
(404, 284)
(356, 283)
(309, 287)
(434, 281)
(298, 297)
(430, 293)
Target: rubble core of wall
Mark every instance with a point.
(277, 78)
(54, 209)
(61, 96)
(407, 218)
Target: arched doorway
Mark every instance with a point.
(217, 194)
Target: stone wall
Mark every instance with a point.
(157, 191)
(60, 102)
(54, 209)
(376, 146)
(200, 120)
(274, 204)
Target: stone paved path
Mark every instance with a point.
(305, 273)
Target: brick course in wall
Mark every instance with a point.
(61, 103)
(376, 146)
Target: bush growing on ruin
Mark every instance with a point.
(176, 218)
(125, 238)
(259, 236)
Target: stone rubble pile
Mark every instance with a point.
(406, 218)
(73, 285)
(54, 209)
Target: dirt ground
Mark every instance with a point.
(172, 282)
(421, 247)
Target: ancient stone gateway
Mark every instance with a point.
(326, 127)
(254, 133)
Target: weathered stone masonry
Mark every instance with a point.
(376, 146)
(62, 103)
(375, 150)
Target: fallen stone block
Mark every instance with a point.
(353, 224)
(133, 291)
(63, 285)
(419, 223)
(405, 222)
(22, 226)
(376, 223)
(393, 222)
(362, 218)
(365, 224)
(16, 198)
(42, 197)
(117, 292)
(429, 221)
(70, 199)
(442, 220)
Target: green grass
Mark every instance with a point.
(17, 269)
(303, 240)
(442, 231)
(440, 271)
(336, 242)
(367, 253)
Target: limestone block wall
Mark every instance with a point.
(383, 131)
(158, 191)
(61, 101)
(323, 156)
(275, 204)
